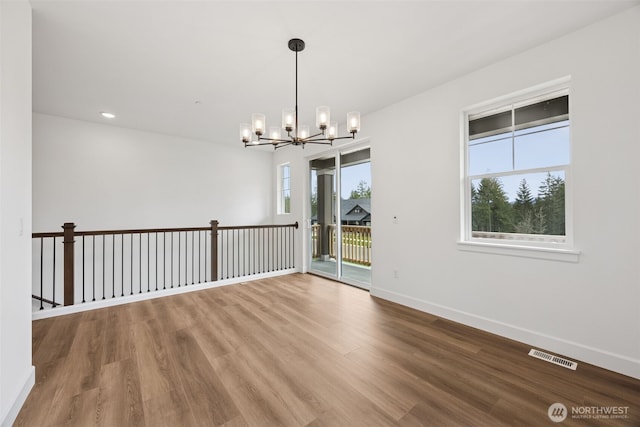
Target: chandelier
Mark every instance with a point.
(296, 135)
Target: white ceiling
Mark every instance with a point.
(150, 61)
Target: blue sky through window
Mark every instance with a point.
(545, 146)
(351, 177)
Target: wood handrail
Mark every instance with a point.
(48, 301)
(158, 230)
(252, 227)
(47, 234)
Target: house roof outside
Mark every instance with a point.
(349, 211)
(353, 210)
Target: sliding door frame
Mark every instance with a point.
(336, 153)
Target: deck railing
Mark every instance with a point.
(80, 266)
(356, 243)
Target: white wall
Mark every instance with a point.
(106, 177)
(17, 375)
(588, 310)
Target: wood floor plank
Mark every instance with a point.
(259, 404)
(168, 409)
(82, 375)
(261, 362)
(40, 331)
(172, 315)
(336, 382)
(37, 407)
(82, 409)
(158, 376)
(297, 350)
(207, 396)
(117, 335)
(119, 399)
(453, 412)
(57, 340)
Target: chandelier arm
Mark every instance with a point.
(319, 141)
(278, 140)
(328, 141)
(316, 139)
(353, 136)
(252, 144)
(275, 147)
(313, 136)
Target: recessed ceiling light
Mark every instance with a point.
(107, 115)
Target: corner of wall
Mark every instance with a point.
(16, 370)
(599, 357)
(12, 413)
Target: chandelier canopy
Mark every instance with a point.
(296, 135)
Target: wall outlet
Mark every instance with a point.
(395, 274)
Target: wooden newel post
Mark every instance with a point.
(214, 250)
(68, 243)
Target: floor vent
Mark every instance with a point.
(553, 359)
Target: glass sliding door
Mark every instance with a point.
(341, 217)
(355, 217)
(323, 210)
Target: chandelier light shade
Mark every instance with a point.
(353, 121)
(245, 132)
(274, 132)
(322, 117)
(258, 121)
(255, 133)
(288, 119)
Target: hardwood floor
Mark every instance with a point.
(297, 350)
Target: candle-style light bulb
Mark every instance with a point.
(274, 133)
(258, 123)
(322, 117)
(332, 131)
(245, 132)
(353, 122)
(288, 119)
(304, 132)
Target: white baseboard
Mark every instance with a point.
(598, 357)
(60, 311)
(13, 412)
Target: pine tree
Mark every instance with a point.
(525, 224)
(476, 216)
(491, 209)
(314, 203)
(363, 191)
(539, 222)
(523, 209)
(551, 203)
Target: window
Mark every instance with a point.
(284, 189)
(517, 159)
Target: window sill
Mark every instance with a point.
(552, 254)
